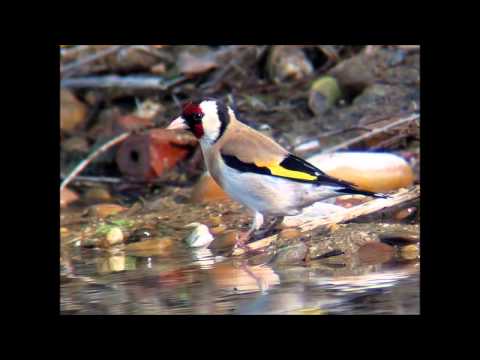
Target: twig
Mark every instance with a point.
(71, 52)
(299, 148)
(99, 179)
(149, 49)
(221, 73)
(116, 140)
(124, 82)
(88, 59)
(400, 197)
(372, 133)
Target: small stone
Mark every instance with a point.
(410, 252)
(114, 236)
(153, 246)
(73, 113)
(104, 210)
(375, 253)
(75, 144)
(139, 235)
(405, 214)
(291, 254)
(229, 277)
(354, 74)
(399, 238)
(148, 109)
(97, 194)
(199, 237)
(158, 69)
(91, 242)
(111, 264)
(288, 62)
(218, 229)
(332, 228)
(67, 196)
(289, 234)
(373, 94)
(324, 94)
(216, 220)
(225, 241)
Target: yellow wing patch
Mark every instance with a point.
(279, 170)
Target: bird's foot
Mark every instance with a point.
(269, 229)
(242, 242)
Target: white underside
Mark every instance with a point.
(271, 195)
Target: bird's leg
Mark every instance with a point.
(273, 224)
(244, 237)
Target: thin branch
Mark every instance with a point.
(116, 140)
(373, 133)
(370, 207)
(149, 49)
(97, 179)
(88, 59)
(122, 82)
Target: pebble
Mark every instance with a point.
(152, 245)
(288, 62)
(98, 194)
(324, 93)
(410, 252)
(225, 241)
(111, 264)
(139, 235)
(73, 113)
(405, 214)
(291, 254)
(104, 210)
(75, 144)
(158, 69)
(67, 196)
(235, 278)
(114, 236)
(218, 229)
(199, 237)
(216, 220)
(399, 238)
(288, 234)
(375, 253)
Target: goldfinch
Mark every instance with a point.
(252, 168)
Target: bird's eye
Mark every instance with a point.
(197, 116)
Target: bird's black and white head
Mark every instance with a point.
(207, 120)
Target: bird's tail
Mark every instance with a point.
(346, 187)
(355, 191)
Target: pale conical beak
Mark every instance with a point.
(178, 124)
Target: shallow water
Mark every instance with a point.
(186, 284)
(181, 280)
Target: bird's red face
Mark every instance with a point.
(192, 114)
(207, 120)
(191, 119)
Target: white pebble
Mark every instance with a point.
(199, 237)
